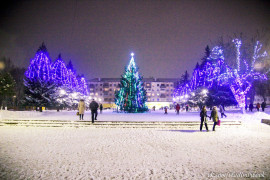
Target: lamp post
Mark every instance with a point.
(14, 98)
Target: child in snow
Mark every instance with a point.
(214, 115)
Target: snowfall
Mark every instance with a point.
(231, 152)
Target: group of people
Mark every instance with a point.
(93, 107)
(177, 109)
(213, 116)
(258, 106)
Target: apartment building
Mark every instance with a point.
(159, 91)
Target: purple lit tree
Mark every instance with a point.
(39, 86)
(46, 82)
(82, 86)
(59, 72)
(40, 66)
(214, 73)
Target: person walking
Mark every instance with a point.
(166, 110)
(221, 109)
(177, 107)
(203, 115)
(258, 106)
(100, 108)
(250, 107)
(246, 106)
(81, 108)
(94, 107)
(214, 116)
(187, 108)
(263, 105)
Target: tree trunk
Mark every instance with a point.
(243, 110)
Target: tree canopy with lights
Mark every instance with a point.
(214, 72)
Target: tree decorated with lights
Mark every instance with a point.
(243, 78)
(83, 89)
(39, 85)
(215, 74)
(59, 72)
(46, 82)
(131, 97)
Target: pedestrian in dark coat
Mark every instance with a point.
(258, 106)
(203, 115)
(250, 107)
(222, 111)
(166, 110)
(263, 105)
(214, 116)
(187, 108)
(100, 108)
(177, 107)
(94, 107)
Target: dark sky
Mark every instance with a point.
(167, 37)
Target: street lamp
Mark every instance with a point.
(14, 98)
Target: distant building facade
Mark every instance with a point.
(159, 91)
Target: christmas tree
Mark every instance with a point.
(59, 72)
(39, 85)
(40, 66)
(131, 97)
(82, 86)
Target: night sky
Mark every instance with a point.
(167, 37)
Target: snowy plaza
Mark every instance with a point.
(232, 152)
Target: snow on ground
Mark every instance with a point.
(108, 115)
(89, 153)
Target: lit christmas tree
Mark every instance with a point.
(82, 86)
(59, 72)
(46, 82)
(40, 66)
(131, 97)
(72, 79)
(39, 86)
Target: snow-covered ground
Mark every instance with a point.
(89, 153)
(108, 115)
